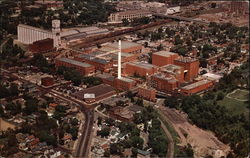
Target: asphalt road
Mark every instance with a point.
(83, 141)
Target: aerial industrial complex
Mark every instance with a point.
(124, 79)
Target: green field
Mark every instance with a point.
(236, 106)
(239, 94)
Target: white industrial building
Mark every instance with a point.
(29, 34)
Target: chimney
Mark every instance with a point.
(119, 58)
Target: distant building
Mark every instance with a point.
(190, 65)
(174, 70)
(29, 34)
(147, 93)
(162, 58)
(83, 68)
(129, 15)
(127, 47)
(164, 82)
(124, 84)
(107, 79)
(95, 93)
(99, 64)
(141, 69)
(50, 4)
(106, 57)
(41, 46)
(79, 33)
(47, 81)
(196, 87)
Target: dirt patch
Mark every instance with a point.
(4, 125)
(203, 142)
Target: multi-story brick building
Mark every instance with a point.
(129, 15)
(83, 68)
(162, 58)
(174, 70)
(41, 46)
(95, 93)
(141, 69)
(126, 47)
(107, 79)
(165, 83)
(99, 64)
(196, 87)
(190, 65)
(124, 83)
(147, 93)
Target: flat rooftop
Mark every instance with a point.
(196, 84)
(95, 59)
(106, 76)
(98, 90)
(74, 62)
(124, 44)
(165, 53)
(186, 59)
(171, 68)
(168, 78)
(126, 79)
(142, 65)
(212, 76)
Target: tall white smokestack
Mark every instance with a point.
(119, 58)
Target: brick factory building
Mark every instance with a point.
(139, 68)
(83, 68)
(95, 93)
(164, 83)
(41, 46)
(147, 93)
(105, 60)
(126, 46)
(174, 70)
(124, 84)
(99, 64)
(196, 87)
(190, 65)
(162, 58)
(129, 15)
(107, 79)
(47, 81)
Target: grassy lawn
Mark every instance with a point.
(240, 94)
(235, 106)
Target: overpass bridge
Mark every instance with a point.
(181, 18)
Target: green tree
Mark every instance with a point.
(104, 132)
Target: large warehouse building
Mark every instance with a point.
(129, 15)
(83, 68)
(29, 34)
